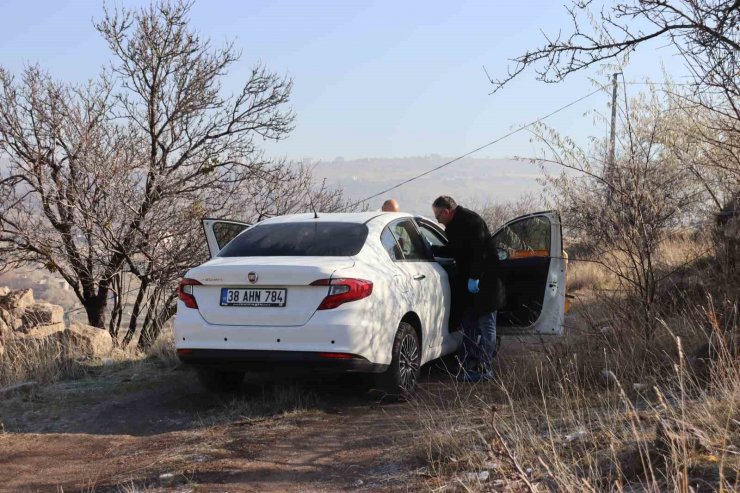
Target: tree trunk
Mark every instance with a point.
(95, 309)
(135, 311)
(150, 331)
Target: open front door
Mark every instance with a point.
(221, 231)
(534, 273)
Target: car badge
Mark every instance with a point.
(252, 276)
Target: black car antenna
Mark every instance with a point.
(315, 214)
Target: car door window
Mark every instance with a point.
(225, 232)
(526, 238)
(431, 236)
(411, 243)
(390, 245)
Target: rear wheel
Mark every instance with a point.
(401, 377)
(220, 381)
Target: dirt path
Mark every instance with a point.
(123, 429)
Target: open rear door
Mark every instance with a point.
(221, 231)
(534, 271)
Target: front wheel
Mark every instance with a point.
(220, 381)
(403, 373)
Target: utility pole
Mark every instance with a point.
(609, 171)
(613, 133)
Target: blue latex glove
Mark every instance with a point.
(473, 286)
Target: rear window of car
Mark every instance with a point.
(309, 239)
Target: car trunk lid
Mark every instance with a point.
(294, 274)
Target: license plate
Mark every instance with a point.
(253, 297)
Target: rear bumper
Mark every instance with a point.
(353, 328)
(257, 360)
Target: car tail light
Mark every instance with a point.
(343, 290)
(185, 292)
(337, 355)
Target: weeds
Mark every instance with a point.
(273, 400)
(658, 426)
(43, 360)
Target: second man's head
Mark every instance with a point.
(444, 209)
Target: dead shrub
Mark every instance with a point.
(551, 422)
(43, 360)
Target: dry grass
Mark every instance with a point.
(163, 350)
(272, 401)
(603, 408)
(599, 410)
(583, 275)
(674, 255)
(50, 360)
(42, 360)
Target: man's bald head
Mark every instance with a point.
(390, 205)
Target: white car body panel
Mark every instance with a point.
(365, 327)
(293, 273)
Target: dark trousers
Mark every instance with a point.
(479, 340)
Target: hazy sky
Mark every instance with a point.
(382, 78)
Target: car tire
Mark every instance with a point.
(220, 381)
(400, 379)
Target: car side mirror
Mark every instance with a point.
(502, 254)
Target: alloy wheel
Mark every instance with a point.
(408, 362)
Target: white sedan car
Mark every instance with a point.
(357, 292)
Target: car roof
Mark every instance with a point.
(343, 217)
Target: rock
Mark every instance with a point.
(640, 387)
(477, 476)
(43, 331)
(575, 435)
(4, 329)
(608, 378)
(92, 341)
(10, 320)
(16, 301)
(23, 388)
(4, 290)
(42, 314)
(166, 479)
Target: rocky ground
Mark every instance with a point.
(120, 423)
(24, 320)
(142, 426)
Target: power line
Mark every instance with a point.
(495, 141)
(656, 83)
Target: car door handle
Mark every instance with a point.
(419, 277)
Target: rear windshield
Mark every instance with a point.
(314, 239)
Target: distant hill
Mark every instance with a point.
(470, 179)
(467, 180)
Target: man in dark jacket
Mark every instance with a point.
(478, 288)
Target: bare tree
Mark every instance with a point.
(496, 214)
(178, 243)
(64, 158)
(705, 32)
(625, 218)
(113, 174)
